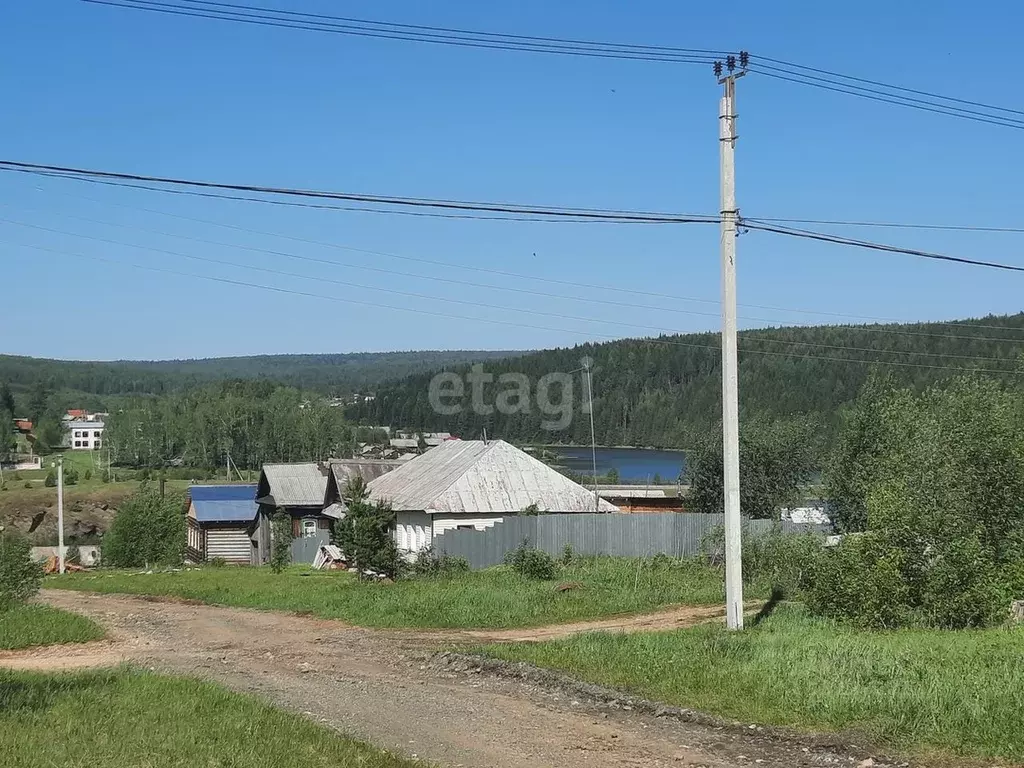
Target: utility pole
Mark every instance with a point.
(593, 438)
(730, 377)
(60, 513)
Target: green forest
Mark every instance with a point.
(666, 392)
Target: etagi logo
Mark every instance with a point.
(553, 394)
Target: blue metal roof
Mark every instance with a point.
(223, 503)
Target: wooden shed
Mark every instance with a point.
(218, 519)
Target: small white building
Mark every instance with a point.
(84, 435)
(463, 484)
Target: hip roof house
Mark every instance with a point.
(218, 518)
(473, 484)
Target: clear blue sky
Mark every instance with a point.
(107, 88)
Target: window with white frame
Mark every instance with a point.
(308, 528)
(400, 531)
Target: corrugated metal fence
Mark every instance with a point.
(677, 534)
(304, 549)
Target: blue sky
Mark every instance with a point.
(107, 88)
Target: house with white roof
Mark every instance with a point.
(473, 484)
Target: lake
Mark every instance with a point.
(633, 464)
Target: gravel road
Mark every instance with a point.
(392, 689)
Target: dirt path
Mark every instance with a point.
(386, 687)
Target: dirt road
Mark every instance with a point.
(389, 688)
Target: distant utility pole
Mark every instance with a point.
(60, 513)
(730, 377)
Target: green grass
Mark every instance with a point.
(31, 625)
(492, 598)
(129, 718)
(918, 690)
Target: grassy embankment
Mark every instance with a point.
(132, 718)
(956, 693)
(492, 598)
(30, 625)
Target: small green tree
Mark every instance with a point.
(20, 577)
(70, 475)
(612, 476)
(775, 459)
(281, 541)
(147, 530)
(365, 533)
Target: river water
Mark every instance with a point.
(632, 464)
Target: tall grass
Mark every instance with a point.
(921, 690)
(492, 598)
(127, 718)
(30, 625)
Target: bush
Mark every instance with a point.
(429, 564)
(105, 477)
(568, 555)
(70, 475)
(20, 577)
(281, 541)
(785, 562)
(51, 479)
(88, 475)
(532, 563)
(147, 530)
(73, 555)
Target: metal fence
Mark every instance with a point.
(304, 549)
(677, 534)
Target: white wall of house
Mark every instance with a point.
(84, 435)
(230, 543)
(444, 523)
(413, 531)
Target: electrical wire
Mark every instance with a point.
(507, 288)
(488, 305)
(869, 245)
(399, 308)
(765, 65)
(414, 202)
(266, 17)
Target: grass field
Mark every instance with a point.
(31, 625)
(128, 718)
(919, 690)
(493, 598)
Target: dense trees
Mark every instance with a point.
(254, 422)
(149, 529)
(776, 459)
(937, 481)
(666, 392)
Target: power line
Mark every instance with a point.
(896, 225)
(33, 169)
(485, 305)
(765, 65)
(414, 202)
(268, 17)
(377, 305)
(839, 240)
(507, 288)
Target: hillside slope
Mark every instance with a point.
(660, 392)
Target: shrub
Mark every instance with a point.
(51, 479)
(147, 530)
(88, 475)
(70, 475)
(105, 477)
(782, 561)
(861, 582)
(428, 563)
(568, 555)
(20, 577)
(532, 563)
(281, 541)
(73, 555)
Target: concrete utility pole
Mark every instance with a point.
(730, 378)
(60, 513)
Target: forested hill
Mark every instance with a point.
(661, 392)
(329, 374)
